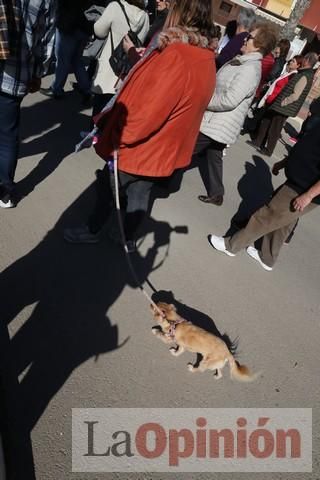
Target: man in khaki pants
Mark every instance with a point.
(275, 221)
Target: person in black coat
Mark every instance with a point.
(159, 21)
(72, 34)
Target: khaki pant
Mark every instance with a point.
(273, 222)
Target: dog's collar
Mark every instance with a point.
(173, 325)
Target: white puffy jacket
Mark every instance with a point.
(236, 85)
(113, 19)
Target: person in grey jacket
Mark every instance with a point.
(113, 26)
(235, 88)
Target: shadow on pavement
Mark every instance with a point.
(68, 290)
(66, 119)
(255, 188)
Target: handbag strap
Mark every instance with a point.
(125, 13)
(112, 43)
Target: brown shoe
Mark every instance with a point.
(214, 200)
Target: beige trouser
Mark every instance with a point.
(273, 222)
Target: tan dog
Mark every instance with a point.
(215, 353)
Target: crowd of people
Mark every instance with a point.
(187, 91)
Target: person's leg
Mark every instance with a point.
(137, 190)
(100, 100)
(263, 129)
(210, 168)
(78, 65)
(91, 231)
(64, 50)
(104, 201)
(272, 243)
(274, 132)
(9, 141)
(215, 169)
(277, 214)
(202, 143)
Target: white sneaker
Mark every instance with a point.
(8, 204)
(219, 244)
(253, 253)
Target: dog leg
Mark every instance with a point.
(201, 367)
(176, 351)
(192, 368)
(162, 336)
(216, 365)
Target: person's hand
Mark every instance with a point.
(34, 85)
(277, 167)
(301, 202)
(140, 51)
(127, 43)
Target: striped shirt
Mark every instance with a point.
(34, 41)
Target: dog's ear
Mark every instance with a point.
(173, 307)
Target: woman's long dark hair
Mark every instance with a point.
(197, 14)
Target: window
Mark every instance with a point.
(225, 7)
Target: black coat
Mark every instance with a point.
(70, 16)
(156, 26)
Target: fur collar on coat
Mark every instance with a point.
(247, 57)
(190, 36)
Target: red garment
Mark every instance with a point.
(157, 115)
(279, 85)
(266, 67)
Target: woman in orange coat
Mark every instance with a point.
(154, 120)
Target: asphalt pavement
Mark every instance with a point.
(79, 330)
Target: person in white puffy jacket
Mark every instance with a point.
(236, 84)
(113, 20)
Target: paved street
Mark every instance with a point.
(81, 331)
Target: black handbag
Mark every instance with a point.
(119, 60)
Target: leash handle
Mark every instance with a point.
(123, 237)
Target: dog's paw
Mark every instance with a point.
(190, 367)
(173, 351)
(217, 375)
(155, 330)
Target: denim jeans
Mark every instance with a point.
(68, 51)
(9, 138)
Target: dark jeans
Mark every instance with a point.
(212, 171)
(9, 138)
(270, 130)
(134, 194)
(69, 50)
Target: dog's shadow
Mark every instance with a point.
(198, 318)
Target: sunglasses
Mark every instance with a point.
(250, 37)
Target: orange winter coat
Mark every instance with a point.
(156, 118)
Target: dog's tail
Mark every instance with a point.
(240, 372)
